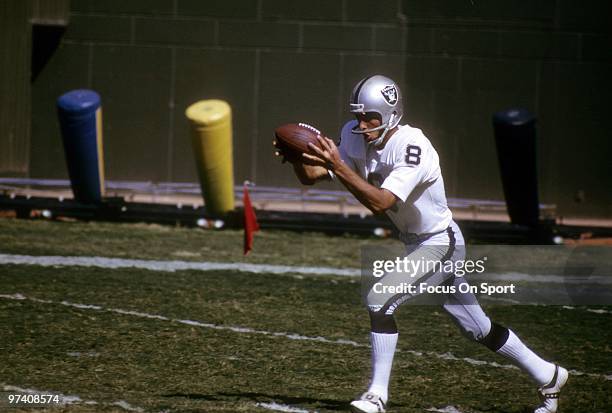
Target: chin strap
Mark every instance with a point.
(356, 129)
(381, 138)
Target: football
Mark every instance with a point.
(294, 137)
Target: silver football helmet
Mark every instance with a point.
(380, 95)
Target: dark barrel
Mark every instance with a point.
(80, 117)
(515, 138)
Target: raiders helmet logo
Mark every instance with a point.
(390, 94)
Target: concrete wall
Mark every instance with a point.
(277, 61)
(15, 49)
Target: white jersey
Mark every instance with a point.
(409, 167)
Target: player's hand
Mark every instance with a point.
(327, 156)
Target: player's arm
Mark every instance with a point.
(375, 199)
(309, 174)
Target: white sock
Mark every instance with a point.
(541, 371)
(383, 349)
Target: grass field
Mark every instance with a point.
(131, 339)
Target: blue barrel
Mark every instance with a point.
(80, 117)
(515, 138)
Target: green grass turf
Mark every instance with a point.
(160, 365)
(149, 241)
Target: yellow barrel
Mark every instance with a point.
(211, 137)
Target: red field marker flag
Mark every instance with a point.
(250, 220)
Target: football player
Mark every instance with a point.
(394, 169)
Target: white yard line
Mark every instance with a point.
(170, 266)
(565, 307)
(175, 265)
(71, 399)
(235, 329)
(591, 310)
(447, 409)
(282, 408)
(126, 406)
(541, 279)
(291, 336)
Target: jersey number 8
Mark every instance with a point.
(413, 155)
